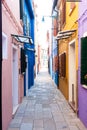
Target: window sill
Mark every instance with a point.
(71, 10)
(84, 86)
(21, 22)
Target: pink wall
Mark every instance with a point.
(8, 27)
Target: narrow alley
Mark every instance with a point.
(45, 108)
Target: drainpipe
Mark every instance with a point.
(0, 65)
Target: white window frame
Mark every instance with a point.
(4, 46)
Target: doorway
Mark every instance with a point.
(27, 76)
(15, 79)
(72, 75)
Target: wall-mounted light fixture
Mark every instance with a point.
(22, 38)
(49, 16)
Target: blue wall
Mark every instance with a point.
(31, 55)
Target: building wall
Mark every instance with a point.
(14, 7)
(70, 24)
(39, 58)
(54, 51)
(28, 10)
(63, 82)
(8, 28)
(82, 92)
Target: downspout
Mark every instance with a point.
(0, 65)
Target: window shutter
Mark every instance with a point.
(21, 9)
(62, 65)
(84, 60)
(28, 28)
(25, 24)
(23, 61)
(72, 5)
(54, 26)
(63, 14)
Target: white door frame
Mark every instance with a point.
(72, 72)
(15, 78)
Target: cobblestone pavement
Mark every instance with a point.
(45, 109)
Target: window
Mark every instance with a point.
(4, 46)
(62, 65)
(84, 61)
(21, 9)
(63, 13)
(55, 63)
(23, 61)
(28, 28)
(26, 25)
(55, 27)
(72, 6)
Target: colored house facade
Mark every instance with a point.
(82, 71)
(28, 28)
(68, 50)
(49, 42)
(53, 58)
(12, 79)
(55, 51)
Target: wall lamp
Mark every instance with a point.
(22, 38)
(55, 14)
(43, 18)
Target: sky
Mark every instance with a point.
(44, 8)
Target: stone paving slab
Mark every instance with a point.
(13, 128)
(45, 108)
(26, 126)
(38, 123)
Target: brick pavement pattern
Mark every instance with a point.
(45, 108)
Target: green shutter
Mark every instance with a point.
(83, 60)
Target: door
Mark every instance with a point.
(27, 76)
(15, 80)
(72, 75)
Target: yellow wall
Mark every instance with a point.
(71, 18)
(63, 82)
(71, 23)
